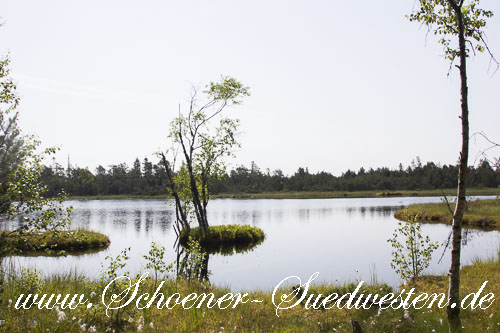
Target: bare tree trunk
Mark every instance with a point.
(198, 209)
(179, 212)
(453, 309)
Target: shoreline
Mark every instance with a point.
(308, 194)
(481, 214)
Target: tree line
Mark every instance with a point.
(149, 178)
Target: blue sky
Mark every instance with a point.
(334, 84)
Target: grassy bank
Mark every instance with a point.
(251, 316)
(46, 243)
(479, 213)
(311, 194)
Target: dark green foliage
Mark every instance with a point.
(148, 179)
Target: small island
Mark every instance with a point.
(224, 238)
(53, 243)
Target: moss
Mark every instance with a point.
(49, 243)
(225, 238)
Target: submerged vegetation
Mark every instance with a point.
(478, 213)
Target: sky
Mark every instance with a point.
(334, 85)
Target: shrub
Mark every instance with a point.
(412, 251)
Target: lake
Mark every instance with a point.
(342, 239)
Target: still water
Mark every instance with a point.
(342, 239)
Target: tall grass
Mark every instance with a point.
(246, 317)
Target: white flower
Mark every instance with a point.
(92, 329)
(491, 315)
(60, 314)
(92, 294)
(10, 303)
(151, 325)
(139, 328)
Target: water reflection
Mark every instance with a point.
(340, 238)
(192, 264)
(373, 210)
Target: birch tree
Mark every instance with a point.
(460, 26)
(202, 137)
(11, 142)
(22, 195)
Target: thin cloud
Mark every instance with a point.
(88, 92)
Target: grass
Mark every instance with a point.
(257, 317)
(483, 214)
(225, 238)
(48, 243)
(309, 194)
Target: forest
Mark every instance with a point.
(149, 178)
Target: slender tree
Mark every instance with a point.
(460, 25)
(201, 146)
